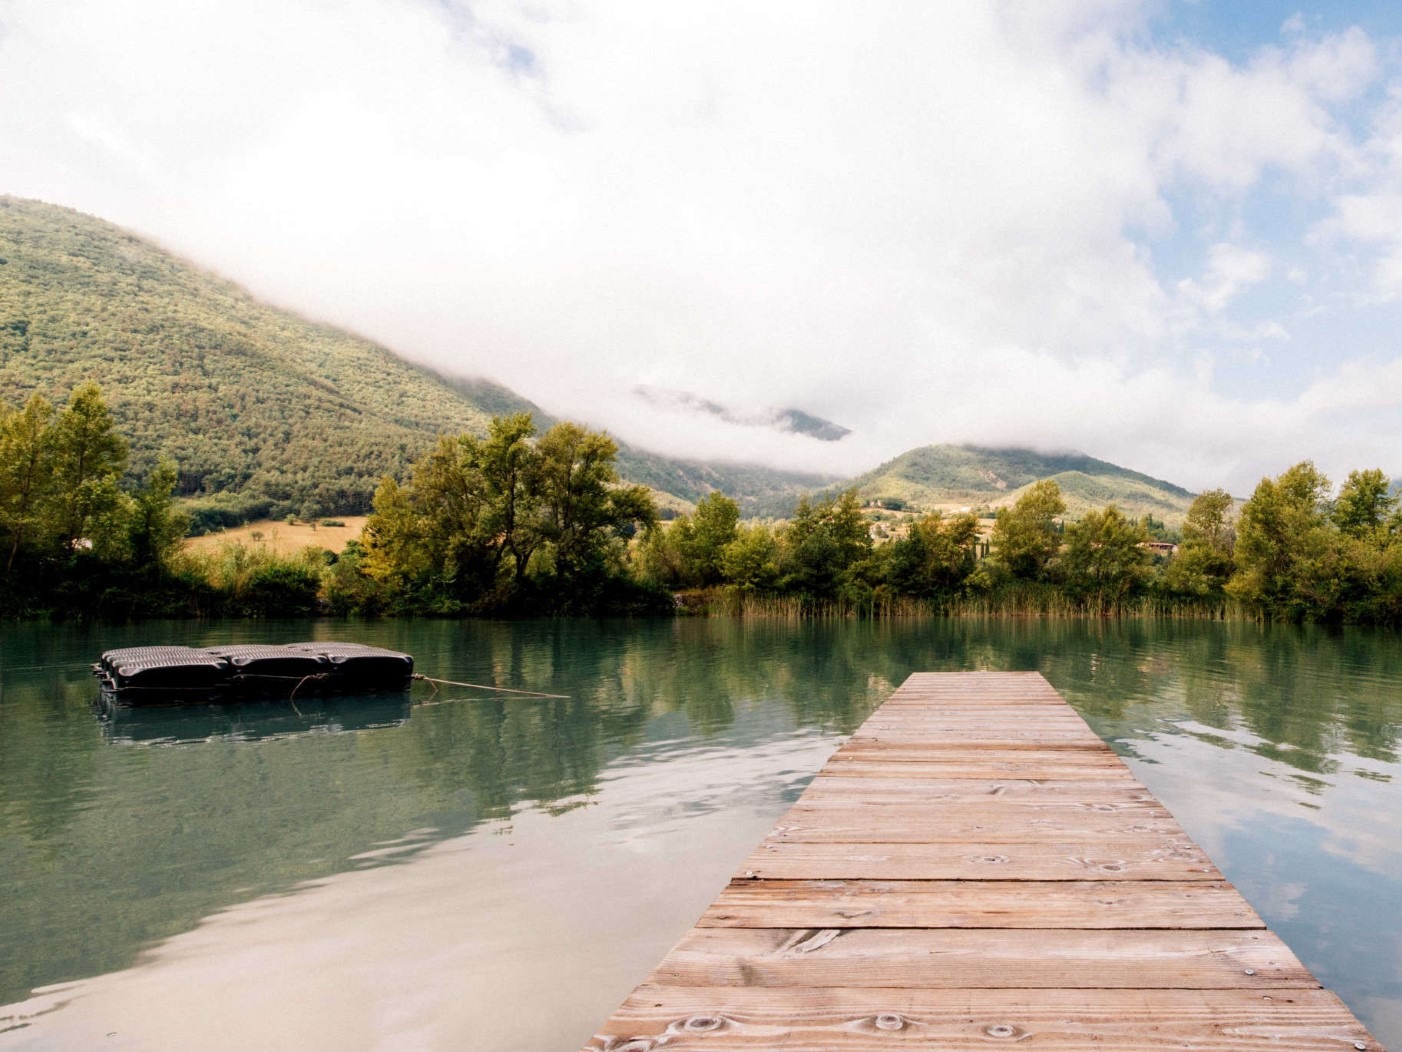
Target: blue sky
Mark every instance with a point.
(1237, 30)
(1167, 234)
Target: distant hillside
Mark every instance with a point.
(945, 476)
(678, 483)
(243, 396)
(761, 492)
(247, 398)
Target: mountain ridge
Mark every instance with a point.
(253, 399)
(249, 398)
(941, 476)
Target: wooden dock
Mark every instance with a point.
(974, 868)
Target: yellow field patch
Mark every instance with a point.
(284, 538)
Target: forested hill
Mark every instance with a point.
(246, 398)
(940, 476)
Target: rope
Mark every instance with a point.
(316, 676)
(483, 686)
(429, 703)
(293, 696)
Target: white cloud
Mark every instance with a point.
(1356, 386)
(925, 222)
(1230, 270)
(1374, 220)
(1225, 125)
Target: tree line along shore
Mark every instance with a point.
(523, 523)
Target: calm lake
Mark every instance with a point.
(473, 870)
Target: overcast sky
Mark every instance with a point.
(1165, 234)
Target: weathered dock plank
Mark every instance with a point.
(1164, 859)
(974, 867)
(980, 904)
(970, 1020)
(983, 958)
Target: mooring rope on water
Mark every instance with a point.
(484, 686)
(313, 676)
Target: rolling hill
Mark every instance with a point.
(245, 397)
(973, 476)
(254, 401)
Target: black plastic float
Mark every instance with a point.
(171, 675)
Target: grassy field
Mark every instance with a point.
(283, 538)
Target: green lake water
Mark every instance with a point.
(473, 871)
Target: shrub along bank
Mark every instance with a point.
(520, 523)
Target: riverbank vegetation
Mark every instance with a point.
(1295, 552)
(523, 523)
(511, 524)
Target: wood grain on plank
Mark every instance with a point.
(986, 958)
(992, 791)
(894, 762)
(968, 790)
(857, 1020)
(979, 904)
(988, 742)
(1176, 858)
(949, 825)
(945, 752)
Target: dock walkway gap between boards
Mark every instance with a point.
(975, 868)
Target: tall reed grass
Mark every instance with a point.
(1020, 600)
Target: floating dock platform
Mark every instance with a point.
(976, 869)
(176, 675)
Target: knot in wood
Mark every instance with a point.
(889, 1021)
(701, 1024)
(1002, 1030)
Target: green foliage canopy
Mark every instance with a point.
(1026, 537)
(1287, 558)
(509, 521)
(1105, 559)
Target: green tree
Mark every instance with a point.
(1364, 504)
(396, 549)
(750, 563)
(156, 527)
(658, 558)
(704, 537)
(1204, 561)
(450, 496)
(89, 458)
(1370, 549)
(1209, 522)
(26, 475)
(935, 557)
(1287, 549)
(348, 588)
(822, 542)
(510, 468)
(483, 522)
(1025, 537)
(586, 516)
(1104, 561)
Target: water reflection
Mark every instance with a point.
(249, 721)
(1253, 736)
